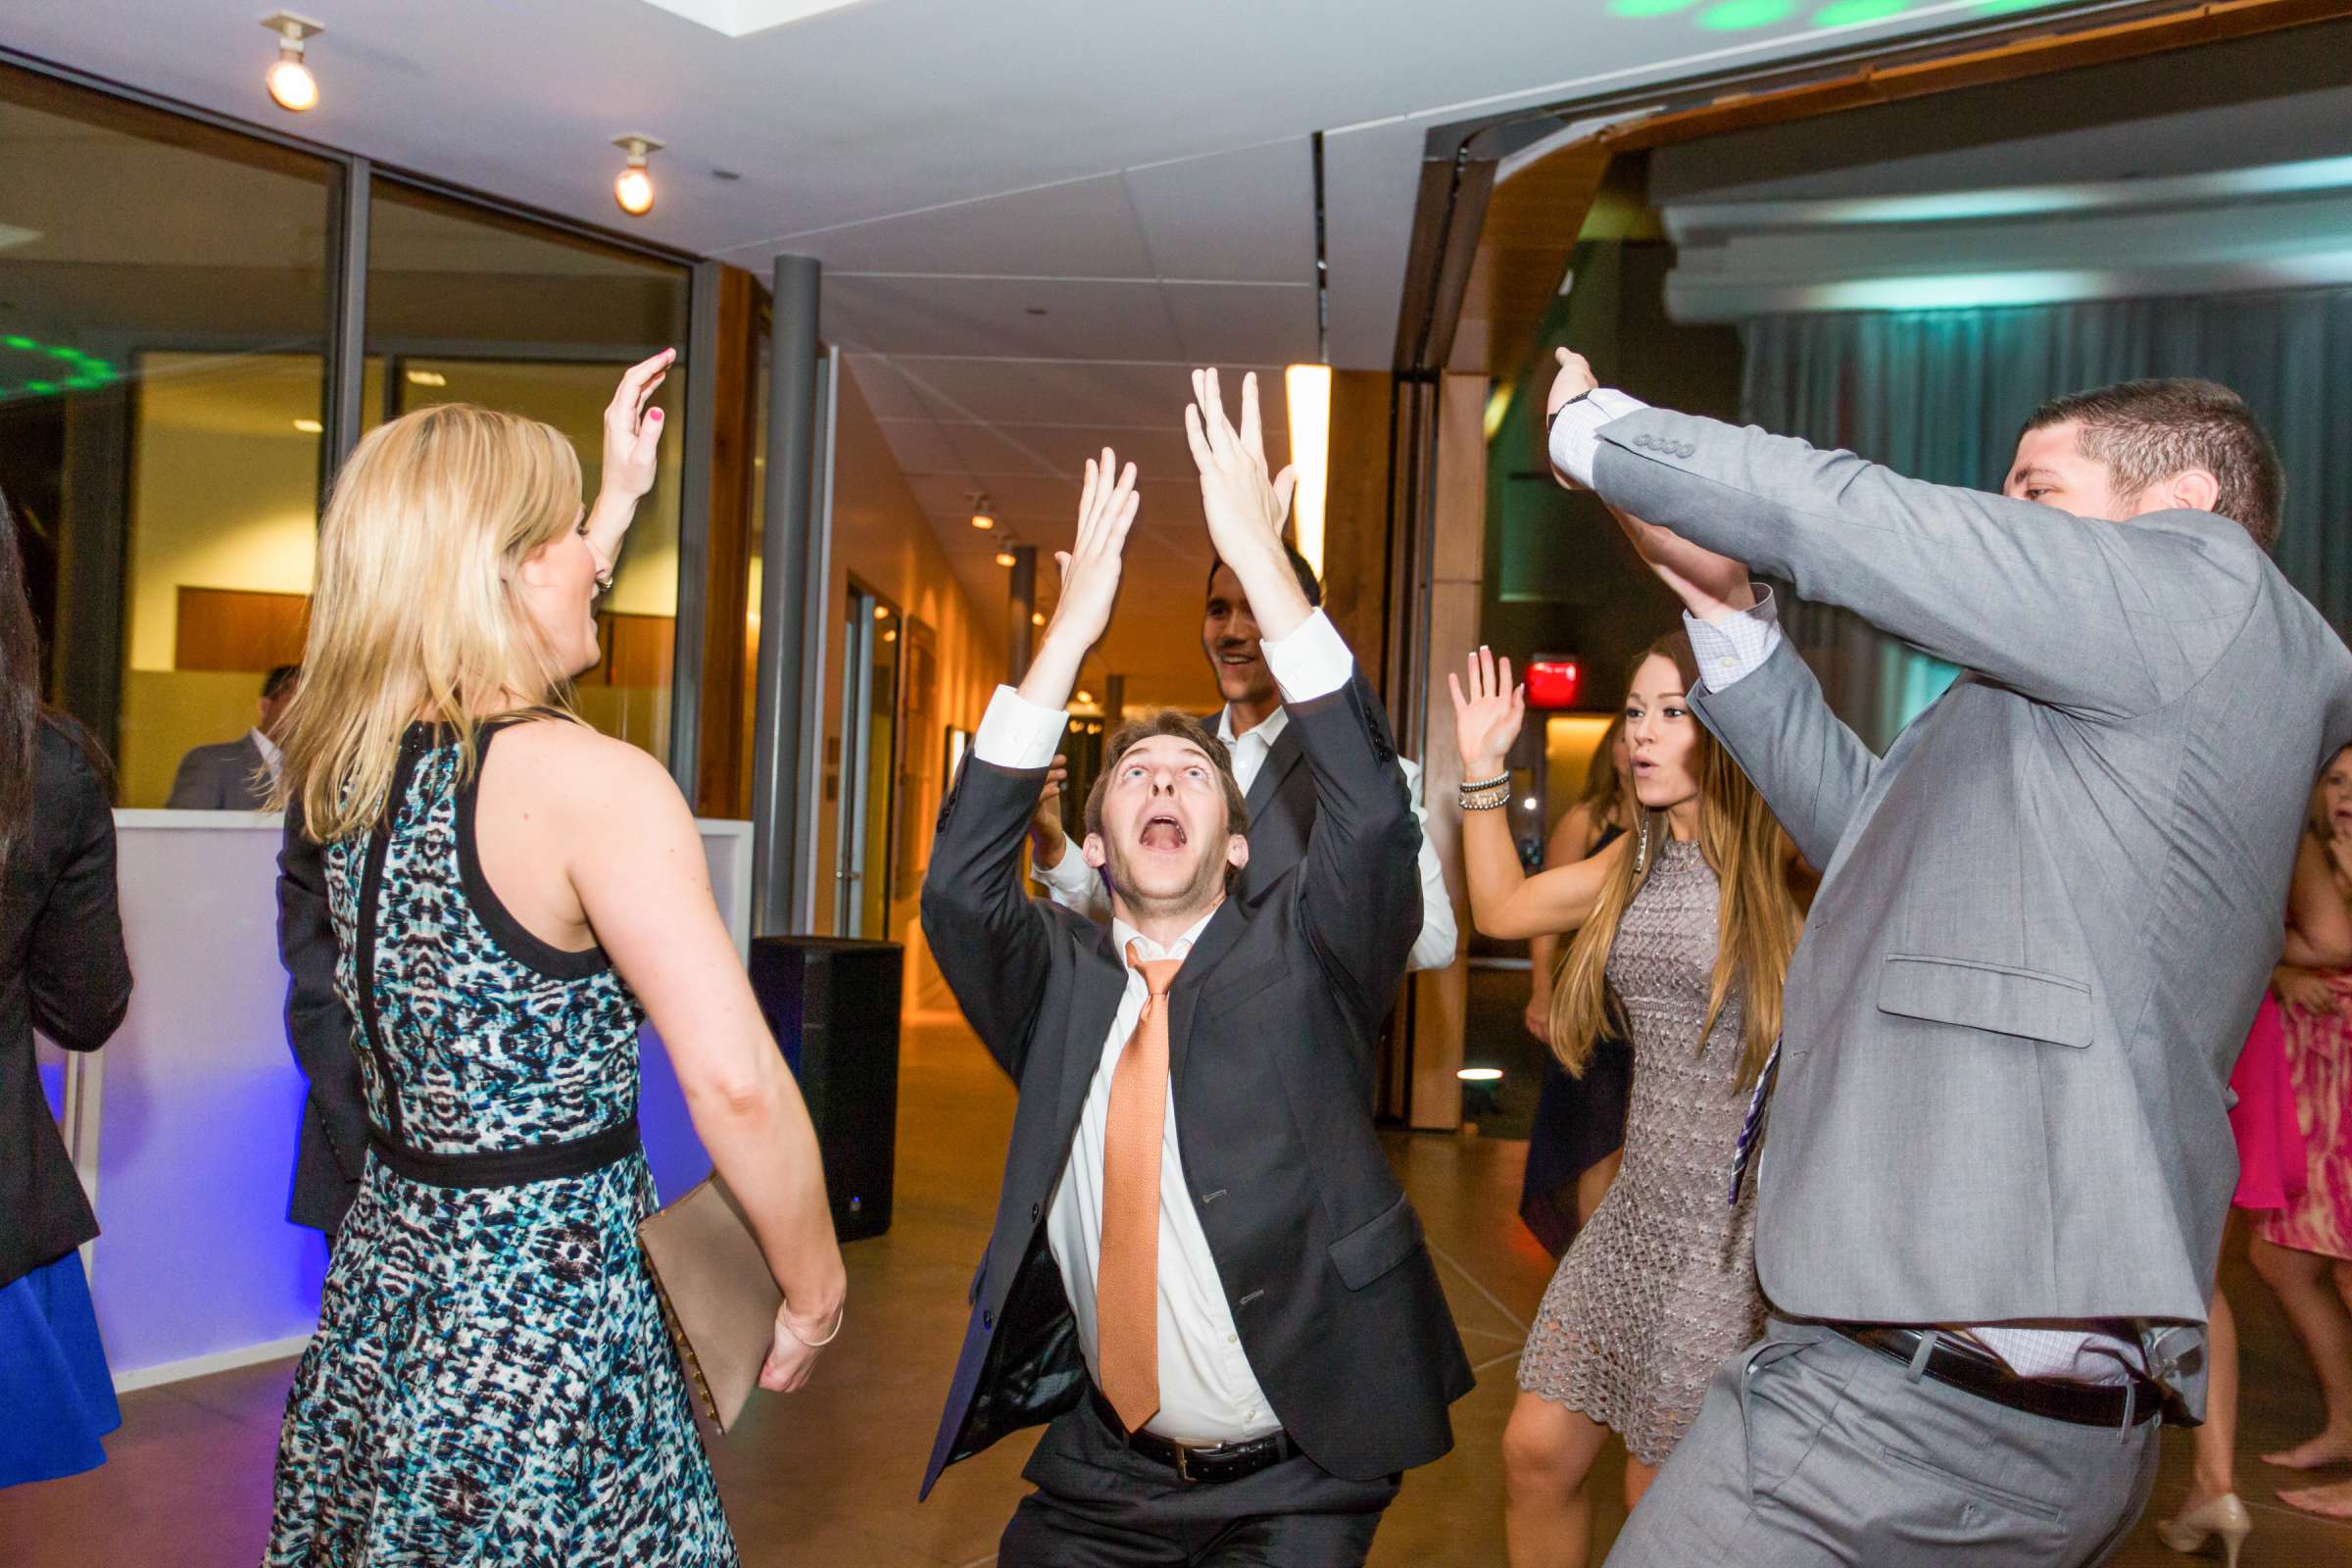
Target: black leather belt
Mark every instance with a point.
(1220, 1461)
(507, 1167)
(1973, 1369)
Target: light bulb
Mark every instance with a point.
(292, 85)
(983, 521)
(290, 81)
(1004, 558)
(634, 190)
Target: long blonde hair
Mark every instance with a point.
(414, 611)
(1758, 918)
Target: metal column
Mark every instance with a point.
(1020, 603)
(779, 770)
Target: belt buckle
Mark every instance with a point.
(1184, 1465)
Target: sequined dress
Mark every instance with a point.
(1660, 1287)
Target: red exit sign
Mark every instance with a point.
(1554, 681)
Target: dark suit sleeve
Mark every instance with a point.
(993, 944)
(318, 1027)
(77, 974)
(190, 786)
(2101, 620)
(1359, 895)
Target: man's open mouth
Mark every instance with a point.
(1161, 831)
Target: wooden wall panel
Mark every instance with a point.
(238, 629)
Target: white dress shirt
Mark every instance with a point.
(1207, 1392)
(272, 757)
(1727, 650)
(1074, 885)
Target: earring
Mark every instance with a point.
(1641, 849)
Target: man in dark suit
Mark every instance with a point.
(1266, 764)
(332, 1155)
(236, 775)
(1238, 1348)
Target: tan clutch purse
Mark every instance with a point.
(716, 1291)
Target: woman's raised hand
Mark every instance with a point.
(1486, 717)
(633, 432)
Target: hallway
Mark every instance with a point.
(828, 1478)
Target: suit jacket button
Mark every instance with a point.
(988, 1320)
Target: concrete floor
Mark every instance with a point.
(828, 1476)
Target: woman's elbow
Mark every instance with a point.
(740, 1095)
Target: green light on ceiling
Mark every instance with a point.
(1649, 8)
(1995, 8)
(40, 388)
(25, 343)
(1738, 16)
(1848, 13)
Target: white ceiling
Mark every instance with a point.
(1138, 171)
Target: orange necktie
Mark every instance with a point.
(1127, 1279)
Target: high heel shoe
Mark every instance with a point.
(2225, 1516)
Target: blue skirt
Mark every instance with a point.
(57, 1398)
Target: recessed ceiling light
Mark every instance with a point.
(427, 378)
(310, 426)
(1478, 1075)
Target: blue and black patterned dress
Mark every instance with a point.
(492, 1382)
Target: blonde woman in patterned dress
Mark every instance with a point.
(2304, 1249)
(1683, 930)
(512, 896)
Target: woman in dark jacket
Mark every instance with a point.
(62, 972)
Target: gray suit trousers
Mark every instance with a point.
(1811, 1450)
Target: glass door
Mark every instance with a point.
(872, 650)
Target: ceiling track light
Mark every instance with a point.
(290, 81)
(983, 517)
(634, 189)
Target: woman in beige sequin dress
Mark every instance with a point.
(1684, 931)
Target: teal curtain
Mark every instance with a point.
(1941, 395)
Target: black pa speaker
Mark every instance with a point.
(833, 1004)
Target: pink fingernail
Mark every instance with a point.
(656, 415)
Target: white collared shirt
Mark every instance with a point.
(271, 756)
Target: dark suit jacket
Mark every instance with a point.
(63, 971)
(1272, 1027)
(1282, 813)
(220, 778)
(333, 1151)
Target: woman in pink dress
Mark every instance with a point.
(2303, 1249)
(2272, 1171)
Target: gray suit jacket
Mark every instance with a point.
(2047, 912)
(220, 778)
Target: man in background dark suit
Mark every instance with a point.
(1239, 1348)
(236, 775)
(332, 1153)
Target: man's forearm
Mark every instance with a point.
(1054, 673)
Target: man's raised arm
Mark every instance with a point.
(2086, 615)
(990, 941)
(1361, 892)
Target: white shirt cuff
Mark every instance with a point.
(1310, 663)
(1576, 429)
(1018, 734)
(1735, 647)
(1069, 879)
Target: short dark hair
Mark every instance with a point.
(275, 684)
(1185, 727)
(2149, 430)
(1300, 568)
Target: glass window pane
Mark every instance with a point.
(469, 305)
(164, 311)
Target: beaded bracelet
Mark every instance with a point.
(1486, 798)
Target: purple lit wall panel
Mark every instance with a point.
(200, 1106)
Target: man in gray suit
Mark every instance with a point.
(1997, 1160)
(235, 775)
